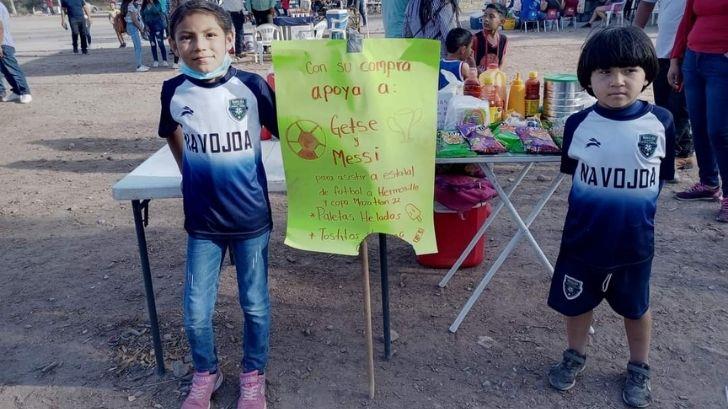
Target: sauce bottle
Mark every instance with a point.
(516, 97)
(533, 94)
(472, 85)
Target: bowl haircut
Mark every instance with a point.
(617, 47)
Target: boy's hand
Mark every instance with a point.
(63, 24)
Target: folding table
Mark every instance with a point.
(158, 178)
(486, 162)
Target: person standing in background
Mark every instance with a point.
(699, 62)
(9, 66)
(263, 10)
(667, 21)
(393, 13)
(431, 19)
(236, 10)
(77, 14)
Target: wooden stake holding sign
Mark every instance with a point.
(364, 255)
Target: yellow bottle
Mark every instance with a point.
(517, 96)
(497, 78)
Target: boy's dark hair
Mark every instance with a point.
(499, 8)
(200, 6)
(456, 38)
(617, 47)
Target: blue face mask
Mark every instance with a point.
(218, 72)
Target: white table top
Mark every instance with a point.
(158, 177)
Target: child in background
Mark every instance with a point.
(490, 44)
(212, 116)
(117, 21)
(619, 151)
(459, 43)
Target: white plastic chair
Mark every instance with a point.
(616, 9)
(314, 33)
(526, 22)
(655, 11)
(263, 36)
(339, 22)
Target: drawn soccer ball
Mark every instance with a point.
(306, 139)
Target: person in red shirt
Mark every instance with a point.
(699, 65)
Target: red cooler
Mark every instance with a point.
(264, 132)
(453, 232)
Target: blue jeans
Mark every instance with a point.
(136, 38)
(156, 39)
(204, 261)
(13, 74)
(706, 93)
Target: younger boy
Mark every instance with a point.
(211, 117)
(490, 44)
(459, 43)
(619, 152)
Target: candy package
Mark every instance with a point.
(481, 139)
(451, 144)
(536, 140)
(506, 135)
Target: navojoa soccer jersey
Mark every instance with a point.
(617, 159)
(223, 180)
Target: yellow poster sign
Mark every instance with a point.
(358, 141)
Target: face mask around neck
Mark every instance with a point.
(204, 76)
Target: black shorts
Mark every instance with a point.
(577, 288)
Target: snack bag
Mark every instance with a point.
(506, 135)
(451, 144)
(452, 89)
(481, 140)
(464, 109)
(537, 140)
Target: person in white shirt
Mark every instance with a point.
(236, 9)
(20, 92)
(668, 19)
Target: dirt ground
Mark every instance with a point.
(73, 321)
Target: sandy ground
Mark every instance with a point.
(73, 330)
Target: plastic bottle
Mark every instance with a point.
(498, 79)
(516, 97)
(533, 94)
(472, 86)
(490, 92)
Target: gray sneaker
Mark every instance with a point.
(562, 376)
(637, 391)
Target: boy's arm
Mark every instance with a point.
(502, 61)
(267, 108)
(175, 142)
(63, 16)
(568, 164)
(667, 166)
(87, 11)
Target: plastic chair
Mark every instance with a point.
(569, 13)
(552, 19)
(655, 11)
(526, 22)
(314, 33)
(338, 27)
(263, 36)
(617, 10)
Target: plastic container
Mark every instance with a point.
(453, 232)
(495, 102)
(471, 86)
(533, 94)
(517, 95)
(271, 80)
(476, 20)
(498, 79)
(562, 96)
(336, 19)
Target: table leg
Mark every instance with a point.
(384, 269)
(139, 223)
(516, 217)
(483, 228)
(506, 252)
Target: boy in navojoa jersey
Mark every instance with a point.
(212, 116)
(619, 152)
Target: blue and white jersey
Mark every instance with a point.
(223, 180)
(617, 159)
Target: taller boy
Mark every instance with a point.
(212, 116)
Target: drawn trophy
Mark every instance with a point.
(403, 121)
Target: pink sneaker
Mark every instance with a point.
(699, 191)
(723, 212)
(252, 391)
(203, 386)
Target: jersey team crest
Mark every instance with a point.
(647, 144)
(238, 108)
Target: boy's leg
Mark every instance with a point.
(74, 34)
(251, 263)
(577, 331)
(639, 334)
(201, 283)
(12, 73)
